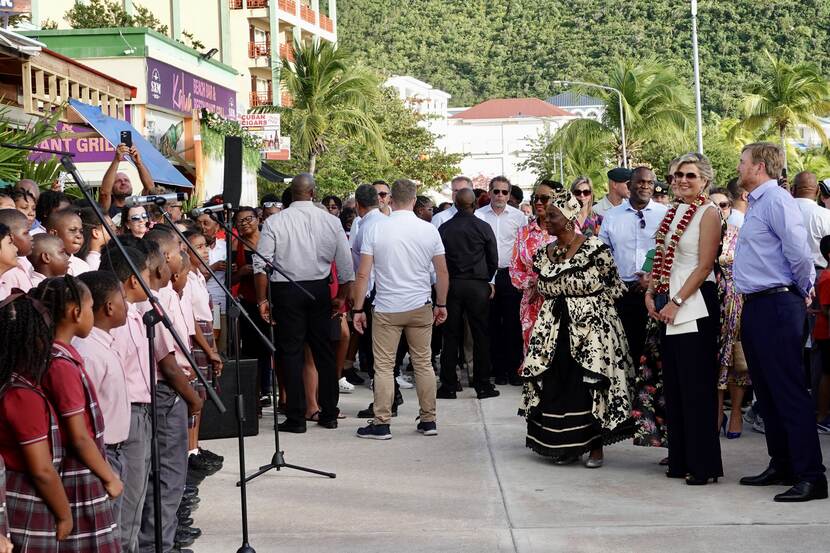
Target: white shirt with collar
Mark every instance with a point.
(216, 253)
(817, 223)
(368, 221)
(629, 242)
(505, 226)
(604, 206)
(402, 247)
(440, 218)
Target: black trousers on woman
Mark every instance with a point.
(690, 378)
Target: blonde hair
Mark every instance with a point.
(701, 162)
(771, 155)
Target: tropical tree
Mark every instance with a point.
(585, 155)
(330, 96)
(15, 164)
(657, 109)
(785, 97)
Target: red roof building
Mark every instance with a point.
(509, 108)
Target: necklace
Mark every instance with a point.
(664, 253)
(561, 250)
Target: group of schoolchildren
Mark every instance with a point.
(75, 383)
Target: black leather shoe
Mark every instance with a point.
(191, 490)
(458, 387)
(692, 481)
(293, 427)
(191, 503)
(803, 491)
(328, 424)
(769, 477)
(183, 540)
(445, 393)
(398, 398)
(185, 522)
(189, 530)
(369, 412)
(670, 474)
(484, 393)
(183, 512)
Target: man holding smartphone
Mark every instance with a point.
(116, 185)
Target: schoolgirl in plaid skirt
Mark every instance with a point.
(88, 479)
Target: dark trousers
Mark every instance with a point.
(301, 320)
(251, 346)
(690, 378)
(772, 332)
(634, 316)
(505, 327)
(470, 298)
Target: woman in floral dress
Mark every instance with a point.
(587, 221)
(529, 239)
(575, 395)
(734, 375)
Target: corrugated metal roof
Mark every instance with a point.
(572, 99)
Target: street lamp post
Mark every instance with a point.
(698, 112)
(622, 114)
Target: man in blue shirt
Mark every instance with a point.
(774, 270)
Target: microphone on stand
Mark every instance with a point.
(210, 209)
(160, 199)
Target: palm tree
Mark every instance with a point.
(785, 97)
(15, 164)
(330, 97)
(657, 107)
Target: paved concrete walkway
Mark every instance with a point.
(476, 488)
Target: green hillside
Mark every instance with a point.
(479, 49)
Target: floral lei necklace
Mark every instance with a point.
(663, 254)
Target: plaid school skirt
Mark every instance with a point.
(201, 357)
(31, 522)
(94, 529)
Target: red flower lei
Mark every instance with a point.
(664, 255)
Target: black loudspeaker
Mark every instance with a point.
(232, 192)
(214, 425)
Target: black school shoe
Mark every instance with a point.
(445, 393)
(484, 393)
(353, 378)
(294, 427)
(369, 412)
(200, 463)
(211, 456)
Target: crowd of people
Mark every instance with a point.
(639, 316)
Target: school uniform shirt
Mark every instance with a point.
(171, 303)
(201, 297)
(15, 278)
(106, 374)
(185, 305)
(65, 390)
(77, 266)
(93, 259)
(130, 344)
(163, 343)
(24, 420)
(37, 278)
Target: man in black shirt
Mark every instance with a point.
(472, 260)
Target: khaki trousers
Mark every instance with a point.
(386, 333)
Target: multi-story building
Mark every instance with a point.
(252, 36)
(425, 99)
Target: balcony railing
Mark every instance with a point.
(289, 6)
(307, 14)
(287, 52)
(261, 99)
(326, 23)
(259, 49)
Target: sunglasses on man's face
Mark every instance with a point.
(272, 205)
(689, 176)
(383, 194)
(540, 198)
(497, 192)
(584, 192)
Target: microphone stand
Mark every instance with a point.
(234, 309)
(155, 315)
(278, 458)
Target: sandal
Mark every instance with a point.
(315, 417)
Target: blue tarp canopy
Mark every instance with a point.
(162, 171)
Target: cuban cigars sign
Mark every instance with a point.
(266, 126)
(180, 91)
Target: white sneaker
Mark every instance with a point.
(346, 387)
(404, 382)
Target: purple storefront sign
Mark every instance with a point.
(87, 149)
(174, 89)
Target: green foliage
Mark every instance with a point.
(15, 164)
(195, 43)
(97, 14)
(214, 129)
(481, 49)
(330, 97)
(346, 163)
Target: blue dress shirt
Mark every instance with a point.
(772, 248)
(629, 239)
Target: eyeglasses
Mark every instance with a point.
(642, 219)
(689, 176)
(137, 218)
(541, 198)
(383, 194)
(272, 205)
(497, 192)
(582, 192)
(246, 220)
(723, 205)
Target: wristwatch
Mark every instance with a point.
(677, 300)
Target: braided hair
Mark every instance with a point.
(57, 293)
(25, 340)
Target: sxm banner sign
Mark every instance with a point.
(180, 91)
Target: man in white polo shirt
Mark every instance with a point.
(402, 251)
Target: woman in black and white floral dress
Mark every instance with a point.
(576, 372)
